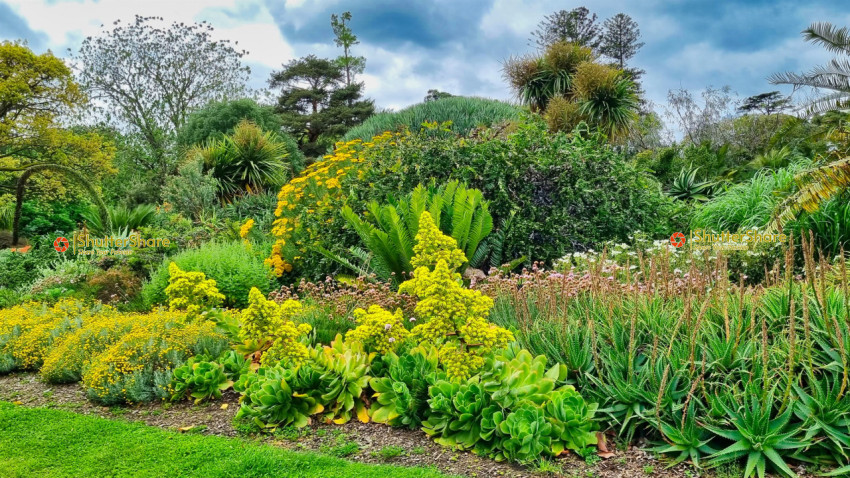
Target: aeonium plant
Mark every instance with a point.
(453, 318)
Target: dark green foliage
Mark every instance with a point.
(567, 192)
(220, 118)
(234, 268)
(465, 114)
(316, 105)
(18, 270)
(52, 218)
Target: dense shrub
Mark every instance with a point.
(19, 270)
(464, 113)
(218, 119)
(565, 192)
(234, 268)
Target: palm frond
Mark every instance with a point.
(825, 34)
(815, 187)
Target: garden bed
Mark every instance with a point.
(376, 443)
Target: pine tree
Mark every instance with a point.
(620, 39)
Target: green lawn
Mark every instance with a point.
(52, 443)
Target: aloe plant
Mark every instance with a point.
(684, 438)
(757, 435)
(825, 410)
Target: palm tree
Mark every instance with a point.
(834, 76)
(818, 185)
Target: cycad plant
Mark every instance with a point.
(388, 230)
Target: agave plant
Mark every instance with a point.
(686, 187)
(757, 434)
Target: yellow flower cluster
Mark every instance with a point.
(379, 329)
(316, 193)
(27, 331)
(65, 361)
(454, 317)
(435, 247)
(264, 320)
(191, 291)
(155, 346)
(246, 228)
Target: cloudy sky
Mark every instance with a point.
(458, 45)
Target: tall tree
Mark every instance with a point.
(153, 76)
(34, 91)
(620, 39)
(434, 95)
(344, 37)
(765, 103)
(315, 104)
(575, 26)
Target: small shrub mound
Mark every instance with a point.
(233, 267)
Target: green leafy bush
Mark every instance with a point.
(464, 113)
(272, 398)
(401, 396)
(199, 379)
(234, 268)
(566, 192)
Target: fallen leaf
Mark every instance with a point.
(224, 406)
(602, 447)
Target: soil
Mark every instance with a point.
(375, 443)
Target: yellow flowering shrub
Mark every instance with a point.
(191, 291)
(454, 318)
(65, 361)
(138, 366)
(379, 329)
(266, 322)
(246, 228)
(307, 205)
(28, 331)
